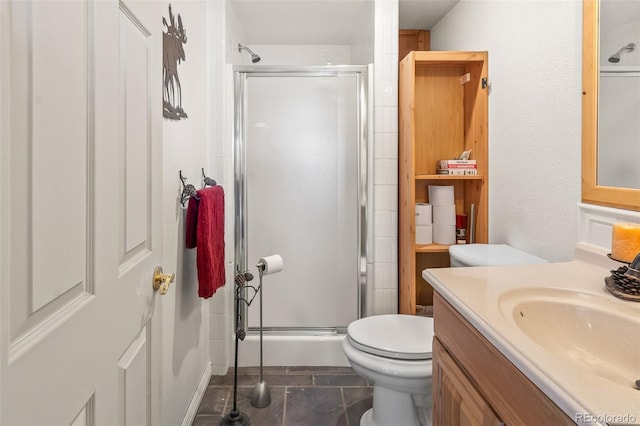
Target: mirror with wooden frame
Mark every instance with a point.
(592, 191)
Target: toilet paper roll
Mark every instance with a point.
(444, 215)
(424, 234)
(444, 234)
(271, 264)
(423, 214)
(441, 195)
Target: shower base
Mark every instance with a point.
(293, 348)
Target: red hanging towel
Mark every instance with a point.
(209, 239)
(191, 223)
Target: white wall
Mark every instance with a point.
(534, 115)
(185, 325)
(363, 44)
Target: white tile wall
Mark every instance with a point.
(385, 223)
(385, 276)
(218, 326)
(385, 301)
(387, 93)
(386, 250)
(385, 153)
(386, 145)
(221, 160)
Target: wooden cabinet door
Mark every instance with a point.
(456, 400)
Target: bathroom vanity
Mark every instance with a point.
(534, 344)
(472, 380)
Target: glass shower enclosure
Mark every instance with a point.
(300, 192)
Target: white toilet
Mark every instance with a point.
(489, 255)
(394, 351)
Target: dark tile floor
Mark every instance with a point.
(300, 396)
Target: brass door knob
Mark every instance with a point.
(161, 280)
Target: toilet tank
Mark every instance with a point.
(489, 255)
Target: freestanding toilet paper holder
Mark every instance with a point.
(261, 395)
(235, 416)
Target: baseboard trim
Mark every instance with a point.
(192, 410)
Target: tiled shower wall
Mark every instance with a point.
(384, 270)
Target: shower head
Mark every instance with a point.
(615, 58)
(254, 58)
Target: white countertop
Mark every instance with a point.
(585, 397)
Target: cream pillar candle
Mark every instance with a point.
(625, 241)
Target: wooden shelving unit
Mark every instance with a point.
(444, 177)
(432, 248)
(443, 104)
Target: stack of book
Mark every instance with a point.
(457, 167)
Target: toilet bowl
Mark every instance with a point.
(489, 255)
(394, 353)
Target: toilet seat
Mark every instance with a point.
(406, 337)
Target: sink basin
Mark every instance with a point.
(583, 328)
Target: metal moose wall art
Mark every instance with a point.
(173, 41)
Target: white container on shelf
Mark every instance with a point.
(440, 195)
(424, 234)
(423, 214)
(444, 214)
(444, 234)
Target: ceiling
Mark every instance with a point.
(324, 21)
(423, 14)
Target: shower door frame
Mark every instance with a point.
(240, 74)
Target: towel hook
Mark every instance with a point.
(188, 190)
(207, 181)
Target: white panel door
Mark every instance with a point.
(80, 169)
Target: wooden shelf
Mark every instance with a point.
(442, 111)
(448, 58)
(432, 248)
(448, 177)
